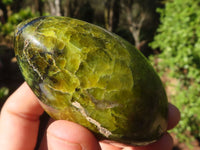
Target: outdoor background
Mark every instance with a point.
(167, 32)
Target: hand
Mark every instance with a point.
(19, 123)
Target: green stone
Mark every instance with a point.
(87, 75)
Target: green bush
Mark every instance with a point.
(178, 39)
(14, 19)
(3, 92)
(3, 95)
(7, 2)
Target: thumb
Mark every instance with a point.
(66, 135)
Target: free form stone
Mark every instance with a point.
(87, 75)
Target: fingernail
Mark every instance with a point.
(55, 143)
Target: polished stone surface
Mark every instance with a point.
(85, 74)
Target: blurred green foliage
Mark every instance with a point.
(7, 2)
(14, 19)
(178, 39)
(3, 92)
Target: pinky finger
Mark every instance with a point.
(164, 143)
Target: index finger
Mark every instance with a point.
(19, 120)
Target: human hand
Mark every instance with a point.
(19, 123)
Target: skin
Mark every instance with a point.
(19, 123)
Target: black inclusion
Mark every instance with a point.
(30, 23)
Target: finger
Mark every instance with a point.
(63, 134)
(173, 116)
(164, 143)
(107, 145)
(43, 142)
(19, 120)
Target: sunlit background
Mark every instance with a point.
(167, 32)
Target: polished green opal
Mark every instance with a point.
(87, 75)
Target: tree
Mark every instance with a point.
(135, 19)
(3, 13)
(39, 6)
(80, 9)
(71, 8)
(112, 12)
(141, 17)
(54, 6)
(178, 39)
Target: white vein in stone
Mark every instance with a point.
(101, 129)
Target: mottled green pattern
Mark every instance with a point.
(88, 75)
